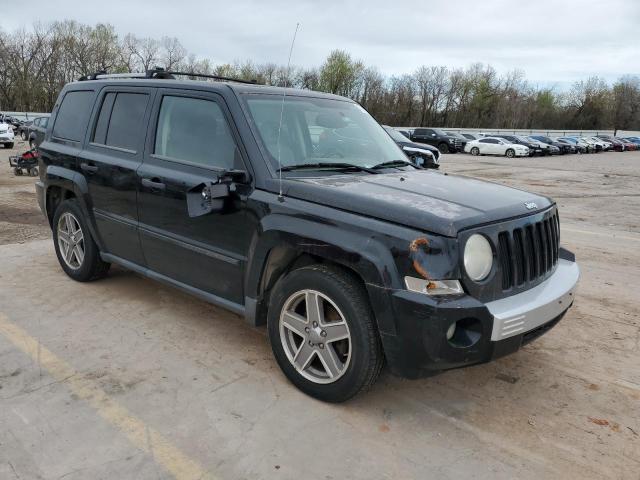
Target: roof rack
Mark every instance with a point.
(161, 73)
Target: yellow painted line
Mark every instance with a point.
(601, 234)
(140, 435)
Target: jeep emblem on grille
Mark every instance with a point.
(530, 205)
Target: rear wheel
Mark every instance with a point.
(444, 148)
(76, 251)
(475, 151)
(323, 334)
(511, 153)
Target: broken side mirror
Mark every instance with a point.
(208, 197)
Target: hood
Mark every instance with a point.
(423, 199)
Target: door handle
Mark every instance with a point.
(88, 168)
(153, 184)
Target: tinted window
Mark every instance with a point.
(194, 130)
(484, 140)
(120, 120)
(100, 133)
(73, 115)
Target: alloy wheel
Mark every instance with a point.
(71, 240)
(315, 336)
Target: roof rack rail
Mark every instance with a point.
(161, 73)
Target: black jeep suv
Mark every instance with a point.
(443, 141)
(296, 209)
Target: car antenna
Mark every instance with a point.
(284, 94)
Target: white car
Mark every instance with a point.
(6, 135)
(597, 145)
(605, 145)
(496, 146)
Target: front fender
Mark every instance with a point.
(291, 237)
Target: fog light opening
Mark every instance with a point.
(464, 333)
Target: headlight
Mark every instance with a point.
(478, 257)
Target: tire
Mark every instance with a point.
(358, 356)
(444, 148)
(475, 151)
(17, 172)
(510, 153)
(80, 267)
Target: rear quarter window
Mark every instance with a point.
(73, 115)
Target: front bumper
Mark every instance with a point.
(419, 346)
(6, 138)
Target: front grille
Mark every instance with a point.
(529, 252)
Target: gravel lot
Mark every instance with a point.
(126, 378)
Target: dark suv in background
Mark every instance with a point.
(300, 211)
(438, 138)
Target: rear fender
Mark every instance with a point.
(67, 179)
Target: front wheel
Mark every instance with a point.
(444, 148)
(323, 333)
(511, 153)
(76, 251)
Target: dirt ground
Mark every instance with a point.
(126, 378)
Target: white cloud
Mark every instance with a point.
(551, 41)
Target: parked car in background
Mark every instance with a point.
(534, 148)
(470, 136)
(23, 129)
(438, 138)
(548, 148)
(563, 148)
(572, 146)
(583, 146)
(37, 130)
(628, 145)
(596, 145)
(496, 146)
(610, 142)
(421, 154)
(634, 140)
(6, 135)
(406, 133)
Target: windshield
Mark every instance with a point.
(319, 130)
(396, 135)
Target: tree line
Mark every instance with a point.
(36, 63)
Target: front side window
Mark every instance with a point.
(73, 115)
(319, 130)
(195, 130)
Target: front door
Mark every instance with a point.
(191, 142)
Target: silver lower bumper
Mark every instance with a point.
(527, 310)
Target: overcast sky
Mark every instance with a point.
(554, 41)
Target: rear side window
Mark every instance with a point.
(73, 115)
(121, 120)
(196, 131)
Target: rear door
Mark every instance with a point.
(109, 163)
(191, 141)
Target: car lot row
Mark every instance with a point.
(28, 129)
(513, 145)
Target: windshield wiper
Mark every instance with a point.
(393, 163)
(326, 166)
